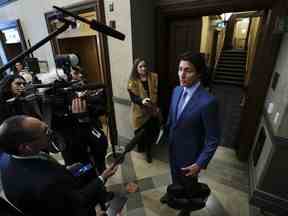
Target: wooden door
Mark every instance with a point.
(184, 35)
(86, 49)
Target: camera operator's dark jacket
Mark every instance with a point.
(18, 107)
(43, 187)
(78, 132)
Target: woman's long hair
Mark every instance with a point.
(134, 73)
(5, 86)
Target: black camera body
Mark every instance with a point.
(61, 94)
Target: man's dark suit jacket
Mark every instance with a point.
(194, 137)
(42, 187)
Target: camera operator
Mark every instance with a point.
(22, 71)
(81, 128)
(76, 74)
(37, 184)
(12, 102)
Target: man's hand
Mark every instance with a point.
(79, 105)
(191, 170)
(110, 171)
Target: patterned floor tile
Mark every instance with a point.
(136, 212)
(161, 180)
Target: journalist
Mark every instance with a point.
(12, 99)
(37, 184)
(81, 128)
(22, 71)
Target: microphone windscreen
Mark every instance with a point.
(106, 30)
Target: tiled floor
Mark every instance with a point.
(226, 177)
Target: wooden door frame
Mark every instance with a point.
(195, 8)
(8, 24)
(98, 6)
(212, 61)
(81, 7)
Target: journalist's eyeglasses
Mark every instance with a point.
(20, 83)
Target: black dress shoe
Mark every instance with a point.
(184, 212)
(164, 199)
(149, 158)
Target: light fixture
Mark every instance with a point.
(221, 24)
(243, 31)
(226, 16)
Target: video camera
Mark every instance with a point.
(66, 61)
(61, 94)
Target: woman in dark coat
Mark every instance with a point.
(12, 92)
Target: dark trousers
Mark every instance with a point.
(151, 130)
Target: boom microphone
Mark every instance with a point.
(35, 86)
(136, 139)
(129, 147)
(95, 25)
(26, 98)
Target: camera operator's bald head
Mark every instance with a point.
(23, 135)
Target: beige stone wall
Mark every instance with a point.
(120, 53)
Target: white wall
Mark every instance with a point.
(31, 15)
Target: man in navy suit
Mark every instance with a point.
(193, 124)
